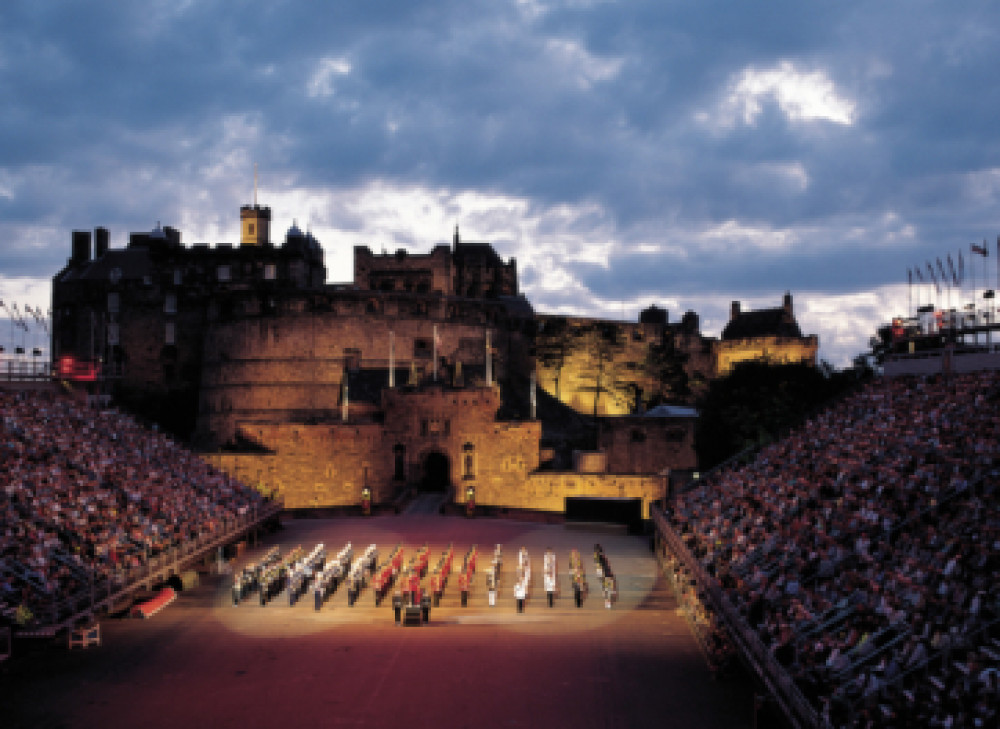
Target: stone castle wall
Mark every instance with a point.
(649, 444)
(404, 271)
(312, 466)
(548, 491)
(632, 364)
(289, 367)
(774, 350)
(328, 464)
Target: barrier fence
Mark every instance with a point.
(25, 370)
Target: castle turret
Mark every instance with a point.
(255, 221)
(255, 226)
(81, 247)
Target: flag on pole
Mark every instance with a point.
(981, 250)
(930, 270)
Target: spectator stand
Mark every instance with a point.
(100, 508)
(777, 682)
(858, 549)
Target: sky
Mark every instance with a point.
(683, 154)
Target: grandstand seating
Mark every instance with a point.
(861, 553)
(88, 497)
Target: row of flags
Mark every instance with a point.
(19, 316)
(954, 275)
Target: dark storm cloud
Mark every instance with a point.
(856, 138)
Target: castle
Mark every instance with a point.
(427, 370)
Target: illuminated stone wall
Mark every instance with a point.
(616, 367)
(774, 350)
(312, 465)
(327, 465)
(648, 444)
(548, 491)
(290, 367)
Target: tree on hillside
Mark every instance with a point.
(664, 365)
(758, 402)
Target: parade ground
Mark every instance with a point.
(203, 662)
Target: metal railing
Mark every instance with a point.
(25, 370)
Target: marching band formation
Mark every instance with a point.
(330, 576)
(299, 572)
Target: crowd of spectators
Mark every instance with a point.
(863, 550)
(87, 493)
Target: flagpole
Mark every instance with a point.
(909, 290)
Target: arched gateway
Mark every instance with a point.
(436, 472)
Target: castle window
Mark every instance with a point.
(270, 272)
(113, 302)
(638, 436)
(178, 277)
(222, 273)
(675, 435)
(170, 304)
(468, 461)
(250, 228)
(113, 334)
(170, 333)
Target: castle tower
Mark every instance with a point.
(255, 225)
(255, 221)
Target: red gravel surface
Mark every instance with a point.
(203, 662)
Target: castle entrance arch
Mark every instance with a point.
(436, 472)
